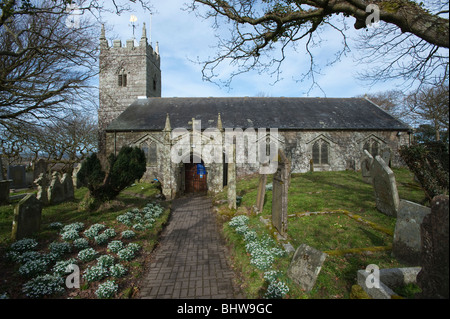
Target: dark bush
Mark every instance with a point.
(128, 166)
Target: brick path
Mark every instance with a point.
(190, 261)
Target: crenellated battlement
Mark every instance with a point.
(127, 71)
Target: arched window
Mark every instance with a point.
(153, 154)
(150, 151)
(122, 78)
(320, 152)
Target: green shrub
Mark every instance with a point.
(128, 166)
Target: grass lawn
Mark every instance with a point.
(136, 196)
(350, 244)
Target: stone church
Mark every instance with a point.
(320, 134)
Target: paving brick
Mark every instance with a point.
(190, 261)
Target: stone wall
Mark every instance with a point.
(141, 65)
(345, 149)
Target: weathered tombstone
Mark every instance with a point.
(261, 192)
(40, 167)
(67, 184)
(18, 176)
(42, 188)
(56, 190)
(27, 217)
(232, 180)
(305, 266)
(385, 187)
(407, 244)
(433, 279)
(366, 163)
(281, 180)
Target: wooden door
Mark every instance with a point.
(195, 178)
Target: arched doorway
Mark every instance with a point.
(195, 177)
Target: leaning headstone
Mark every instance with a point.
(385, 187)
(56, 190)
(281, 181)
(27, 217)
(433, 279)
(407, 244)
(42, 188)
(261, 192)
(305, 266)
(40, 167)
(18, 176)
(366, 163)
(67, 184)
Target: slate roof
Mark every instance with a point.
(257, 112)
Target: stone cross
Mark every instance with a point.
(27, 217)
(385, 187)
(281, 181)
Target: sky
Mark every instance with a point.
(184, 38)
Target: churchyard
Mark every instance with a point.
(333, 226)
(332, 212)
(68, 227)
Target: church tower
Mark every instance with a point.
(126, 73)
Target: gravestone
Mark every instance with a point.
(56, 190)
(67, 184)
(231, 193)
(2, 177)
(40, 167)
(4, 191)
(18, 176)
(75, 180)
(433, 279)
(305, 266)
(407, 244)
(386, 155)
(366, 163)
(27, 217)
(280, 188)
(385, 187)
(261, 192)
(42, 188)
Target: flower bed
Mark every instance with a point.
(101, 255)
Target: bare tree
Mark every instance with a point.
(48, 56)
(261, 30)
(430, 104)
(45, 66)
(67, 141)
